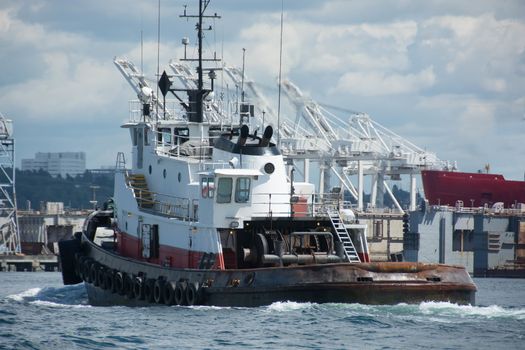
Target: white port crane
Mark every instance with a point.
(9, 234)
(140, 85)
(356, 145)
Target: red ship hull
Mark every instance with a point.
(474, 189)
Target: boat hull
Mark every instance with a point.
(372, 294)
(366, 283)
(473, 189)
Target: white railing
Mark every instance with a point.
(162, 204)
(268, 204)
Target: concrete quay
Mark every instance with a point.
(28, 263)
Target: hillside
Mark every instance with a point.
(37, 187)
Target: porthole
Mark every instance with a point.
(269, 168)
(126, 226)
(149, 169)
(179, 176)
(164, 173)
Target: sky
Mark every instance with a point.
(447, 75)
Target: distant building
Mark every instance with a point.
(57, 163)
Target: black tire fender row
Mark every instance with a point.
(159, 290)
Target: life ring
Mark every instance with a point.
(109, 280)
(138, 288)
(180, 293)
(127, 285)
(93, 273)
(158, 289)
(169, 293)
(118, 281)
(148, 290)
(193, 294)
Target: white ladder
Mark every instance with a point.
(344, 237)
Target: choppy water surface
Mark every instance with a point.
(37, 312)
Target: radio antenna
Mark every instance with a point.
(280, 70)
(158, 60)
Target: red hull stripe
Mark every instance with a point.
(131, 247)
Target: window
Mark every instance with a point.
(242, 190)
(181, 135)
(207, 187)
(164, 136)
(224, 190)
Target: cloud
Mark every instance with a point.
(477, 55)
(443, 73)
(376, 83)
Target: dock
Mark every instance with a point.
(28, 263)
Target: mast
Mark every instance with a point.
(196, 97)
(199, 36)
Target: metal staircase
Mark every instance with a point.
(344, 237)
(140, 188)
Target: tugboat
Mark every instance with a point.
(208, 215)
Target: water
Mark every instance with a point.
(38, 312)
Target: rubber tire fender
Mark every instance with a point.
(138, 287)
(101, 272)
(180, 293)
(193, 294)
(109, 280)
(158, 289)
(93, 272)
(149, 284)
(86, 268)
(118, 281)
(169, 293)
(128, 286)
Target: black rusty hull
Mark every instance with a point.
(371, 293)
(366, 283)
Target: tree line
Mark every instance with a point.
(33, 188)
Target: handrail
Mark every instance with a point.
(171, 206)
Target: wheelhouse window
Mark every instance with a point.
(207, 187)
(164, 136)
(224, 190)
(181, 135)
(242, 190)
